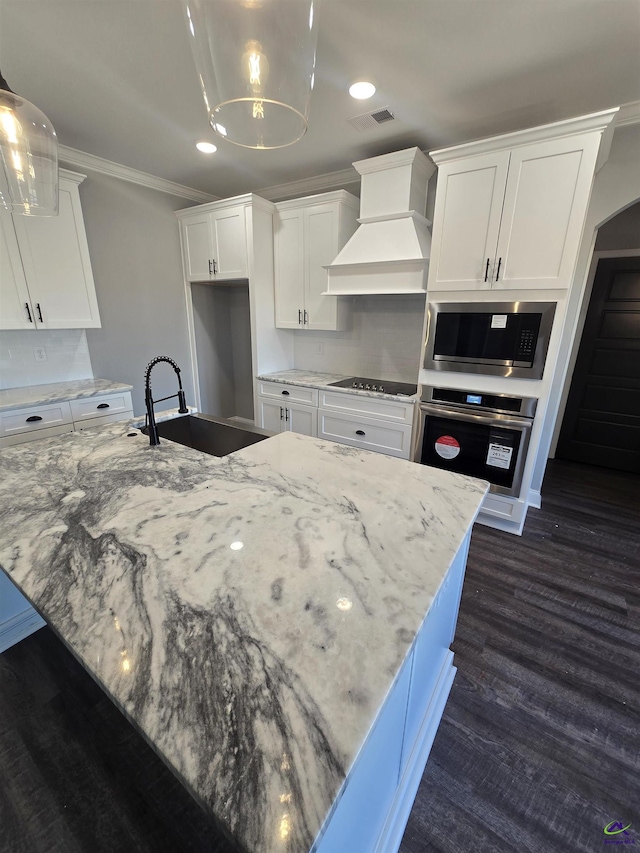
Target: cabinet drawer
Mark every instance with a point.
(88, 423)
(368, 433)
(291, 393)
(95, 407)
(371, 407)
(34, 418)
(34, 435)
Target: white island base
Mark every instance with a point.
(371, 811)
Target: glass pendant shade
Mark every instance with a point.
(256, 62)
(29, 154)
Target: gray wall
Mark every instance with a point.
(223, 345)
(621, 232)
(134, 245)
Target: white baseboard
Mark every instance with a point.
(18, 627)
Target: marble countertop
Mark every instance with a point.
(249, 614)
(56, 392)
(310, 379)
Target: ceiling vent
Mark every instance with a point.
(373, 119)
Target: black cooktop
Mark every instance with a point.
(400, 389)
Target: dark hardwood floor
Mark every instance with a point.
(538, 750)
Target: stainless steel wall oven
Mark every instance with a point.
(498, 338)
(482, 435)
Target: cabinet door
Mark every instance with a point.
(546, 199)
(270, 415)
(229, 242)
(15, 305)
(289, 268)
(302, 419)
(466, 222)
(198, 250)
(56, 262)
(321, 244)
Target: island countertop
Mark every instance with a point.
(249, 614)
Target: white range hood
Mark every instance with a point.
(389, 252)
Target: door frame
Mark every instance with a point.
(575, 346)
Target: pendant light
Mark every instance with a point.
(29, 154)
(256, 62)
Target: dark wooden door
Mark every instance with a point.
(601, 425)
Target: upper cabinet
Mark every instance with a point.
(46, 280)
(510, 211)
(214, 243)
(308, 234)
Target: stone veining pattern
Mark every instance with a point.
(249, 614)
(58, 392)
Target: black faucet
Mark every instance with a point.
(149, 401)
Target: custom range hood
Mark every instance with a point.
(389, 252)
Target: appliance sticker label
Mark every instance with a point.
(447, 447)
(498, 321)
(499, 455)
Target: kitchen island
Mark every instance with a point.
(260, 618)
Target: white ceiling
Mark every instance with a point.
(117, 79)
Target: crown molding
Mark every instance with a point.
(309, 186)
(628, 114)
(599, 121)
(115, 170)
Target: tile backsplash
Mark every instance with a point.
(65, 350)
(383, 343)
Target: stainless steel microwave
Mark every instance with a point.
(498, 338)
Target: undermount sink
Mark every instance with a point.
(215, 436)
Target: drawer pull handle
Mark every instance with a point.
(360, 432)
(286, 393)
(33, 419)
(102, 406)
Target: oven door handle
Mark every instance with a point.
(496, 420)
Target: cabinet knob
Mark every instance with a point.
(33, 418)
(286, 393)
(102, 406)
(360, 432)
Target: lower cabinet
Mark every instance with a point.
(371, 423)
(18, 618)
(371, 812)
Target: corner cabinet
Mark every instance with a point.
(509, 211)
(308, 234)
(46, 280)
(214, 243)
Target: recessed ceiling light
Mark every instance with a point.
(362, 90)
(206, 147)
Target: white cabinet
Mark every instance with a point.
(287, 408)
(512, 217)
(308, 234)
(18, 426)
(371, 423)
(46, 280)
(215, 243)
